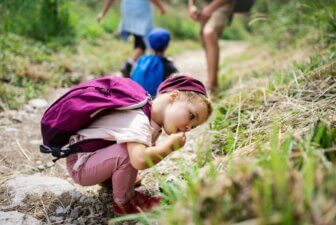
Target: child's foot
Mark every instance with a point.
(139, 203)
(127, 68)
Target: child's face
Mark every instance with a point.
(182, 115)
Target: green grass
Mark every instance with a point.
(31, 64)
(288, 176)
(273, 144)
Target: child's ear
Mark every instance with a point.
(173, 95)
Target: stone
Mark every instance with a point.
(60, 210)
(11, 129)
(50, 164)
(28, 108)
(40, 167)
(56, 219)
(74, 213)
(38, 103)
(17, 218)
(36, 142)
(23, 185)
(4, 169)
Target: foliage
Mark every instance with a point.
(272, 157)
(40, 19)
(283, 22)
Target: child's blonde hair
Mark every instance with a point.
(192, 96)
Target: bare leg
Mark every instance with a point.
(137, 53)
(210, 38)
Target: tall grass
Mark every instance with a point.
(287, 22)
(272, 157)
(40, 19)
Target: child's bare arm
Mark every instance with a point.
(159, 5)
(106, 8)
(142, 157)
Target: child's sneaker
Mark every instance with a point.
(108, 183)
(139, 203)
(127, 68)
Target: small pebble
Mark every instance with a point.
(35, 142)
(56, 218)
(74, 213)
(38, 103)
(11, 129)
(60, 210)
(50, 164)
(40, 167)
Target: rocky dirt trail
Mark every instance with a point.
(34, 190)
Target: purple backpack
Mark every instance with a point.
(83, 104)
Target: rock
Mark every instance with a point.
(56, 219)
(17, 118)
(35, 142)
(4, 169)
(38, 103)
(40, 167)
(22, 186)
(16, 218)
(60, 210)
(82, 199)
(50, 164)
(11, 129)
(74, 213)
(28, 108)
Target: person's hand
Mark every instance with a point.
(193, 12)
(100, 17)
(162, 10)
(206, 13)
(177, 140)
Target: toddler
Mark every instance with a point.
(137, 20)
(181, 105)
(150, 70)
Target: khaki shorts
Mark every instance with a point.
(220, 17)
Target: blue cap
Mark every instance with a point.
(159, 39)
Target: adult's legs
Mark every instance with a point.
(211, 31)
(211, 46)
(139, 47)
(139, 50)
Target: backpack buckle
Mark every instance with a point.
(58, 152)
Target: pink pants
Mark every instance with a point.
(112, 163)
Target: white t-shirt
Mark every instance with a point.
(121, 126)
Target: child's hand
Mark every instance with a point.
(177, 140)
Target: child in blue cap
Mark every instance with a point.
(152, 69)
(137, 21)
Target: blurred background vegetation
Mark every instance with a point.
(55, 43)
(290, 179)
(58, 42)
